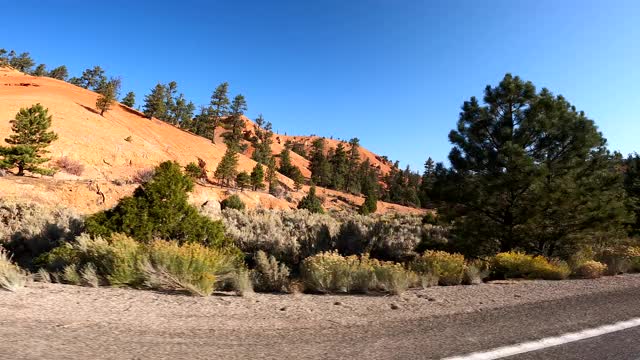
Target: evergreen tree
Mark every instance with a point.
(154, 105)
(428, 179)
(235, 122)
(286, 168)
(129, 99)
(219, 108)
(530, 172)
(182, 111)
(91, 78)
(262, 141)
(340, 166)
(227, 168)
(194, 171)
(370, 204)
(243, 180)
(297, 177)
(632, 187)
(108, 94)
(29, 141)
(4, 59)
(319, 165)
(22, 62)
(41, 70)
(272, 176)
(159, 209)
(257, 177)
(59, 73)
(311, 202)
(352, 182)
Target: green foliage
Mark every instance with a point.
(257, 177)
(286, 168)
(233, 202)
(12, 277)
(235, 123)
(632, 187)
(311, 202)
(370, 204)
(159, 209)
(154, 105)
(529, 171)
(227, 168)
(520, 265)
(91, 79)
(41, 70)
(243, 180)
(129, 99)
(59, 73)
(269, 275)
(29, 141)
(297, 177)
(218, 108)
(194, 171)
(448, 268)
(22, 62)
(107, 95)
(262, 141)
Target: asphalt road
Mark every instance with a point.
(432, 337)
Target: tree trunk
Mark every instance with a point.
(20, 169)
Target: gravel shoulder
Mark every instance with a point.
(63, 321)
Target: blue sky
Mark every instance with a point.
(392, 73)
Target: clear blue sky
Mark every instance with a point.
(393, 73)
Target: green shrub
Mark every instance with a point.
(590, 270)
(159, 209)
(392, 277)
(311, 202)
(233, 202)
(520, 265)
(194, 171)
(449, 268)
(70, 275)
(188, 267)
(12, 277)
(269, 275)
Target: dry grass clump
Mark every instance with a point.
(520, 265)
(70, 166)
(143, 176)
(12, 277)
(330, 272)
(190, 267)
(30, 229)
(590, 269)
(448, 268)
(269, 275)
(121, 261)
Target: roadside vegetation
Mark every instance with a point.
(532, 193)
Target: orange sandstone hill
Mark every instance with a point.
(123, 143)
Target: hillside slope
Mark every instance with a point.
(114, 148)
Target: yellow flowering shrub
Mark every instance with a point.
(515, 264)
(448, 268)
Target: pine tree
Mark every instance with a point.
(227, 168)
(30, 139)
(257, 177)
(41, 70)
(4, 59)
(262, 141)
(272, 177)
(243, 180)
(22, 62)
(154, 105)
(297, 177)
(632, 187)
(352, 183)
(91, 78)
(286, 168)
(428, 179)
(235, 122)
(529, 171)
(129, 99)
(370, 204)
(340, 166)
(108, 94)
(311, 202)
(218, 108)
(59, 73)
(320, 167)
